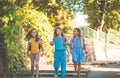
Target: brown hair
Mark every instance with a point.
(79, 31)
(55, 32)
(29, 36)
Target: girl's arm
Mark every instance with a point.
(70, 48)
(28, 48)
(42, 49)
(41, 45)
(84, 47)
(66, 42)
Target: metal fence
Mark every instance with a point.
(100, 35)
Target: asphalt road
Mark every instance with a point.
(108, 71)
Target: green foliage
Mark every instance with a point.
(95, 10)
(17, 17)
(12, 38)
(17, 22)
(67, 29)
(23, 72)
(55, 10)
(73, 5)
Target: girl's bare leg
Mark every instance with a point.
(37, 68)
(37, 64)
(75, 67)
(32, 63)
(79, 69)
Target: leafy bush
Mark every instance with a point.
(23, 72)
(17, 22)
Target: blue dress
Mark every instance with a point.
(77, 51)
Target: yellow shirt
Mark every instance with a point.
(34, 46)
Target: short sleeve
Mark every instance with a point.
(65, 39)
(54, 39)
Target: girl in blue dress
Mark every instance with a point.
(77, 50)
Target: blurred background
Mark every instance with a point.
(99, 21)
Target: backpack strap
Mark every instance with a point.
(81, 41)
(63, 39)
(54, 39)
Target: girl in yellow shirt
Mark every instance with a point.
(34, 46)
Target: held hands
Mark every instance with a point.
(52, 43)
(66, 42)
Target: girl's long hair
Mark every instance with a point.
(79, 31)
(29, 35)
(55, 32)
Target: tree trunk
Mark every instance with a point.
(4, 71)
(100, 22)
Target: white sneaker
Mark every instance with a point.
(75, 74)
(32, 76)
(55, 76)
(37, 77)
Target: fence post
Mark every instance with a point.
(98, 34)
(117, 39)
(107, 37)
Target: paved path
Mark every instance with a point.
(108, 71)
(47, 71)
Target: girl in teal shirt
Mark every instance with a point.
(60, 43)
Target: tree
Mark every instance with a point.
(15, 22)
(102, 14)
(56, 11)
(17, 17)
(4, 70)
